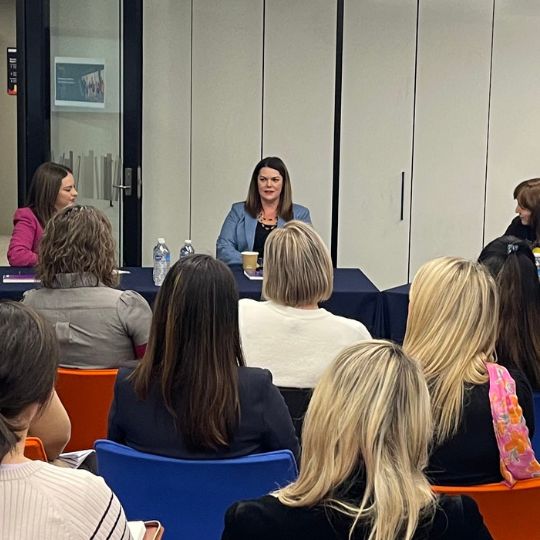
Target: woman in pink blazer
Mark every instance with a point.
(52, 189)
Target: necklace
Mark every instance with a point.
(268, 224)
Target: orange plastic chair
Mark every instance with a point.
(34, 449)
(87, 396)
(509, 513)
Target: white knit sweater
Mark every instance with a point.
(296, 345)
(42, 501)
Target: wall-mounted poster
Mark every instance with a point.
(12, 71)
(79, 82)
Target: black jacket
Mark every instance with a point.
(265, 423)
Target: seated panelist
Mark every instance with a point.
(52, 189)
(268, 206)
(527, 196)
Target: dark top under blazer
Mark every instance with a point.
(517, 229)
(456, 518)
(265, 422)
(471, 456)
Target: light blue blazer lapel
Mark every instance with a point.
(250, 224)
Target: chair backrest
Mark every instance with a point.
(189, 497)
(297, 401)
(509, 513)
(87, 396)
(34, 449)
(536, 439)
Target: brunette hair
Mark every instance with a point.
(44, 188)
(78, 239)
(253, 201)
(194, 351)
(511, 262)
(451, 330)
(297, 266)
(528, 197)
(28, 364)
(369, 420)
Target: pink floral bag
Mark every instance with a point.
(517, 459)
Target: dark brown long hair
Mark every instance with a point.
(511, 262)
(44, 189)
(528, 197)
(77, 240)
(28, 364)
(253, 200)
(194, 351)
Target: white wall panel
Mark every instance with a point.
(227, 108)
(376, 137)
(166, 124)
(451, 129)
(515, 109)
(299, 78)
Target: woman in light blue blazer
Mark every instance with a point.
(268, 205)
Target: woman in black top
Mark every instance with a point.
(452, 330)
(526, 225)
(365, 443)
(191, 396)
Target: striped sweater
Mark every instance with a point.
(38, 500)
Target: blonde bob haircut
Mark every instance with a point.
(78, 240)
(369, 420)
(452, 331)
(297, 266)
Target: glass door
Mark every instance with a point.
(86, 101)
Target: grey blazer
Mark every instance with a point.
(238, 232)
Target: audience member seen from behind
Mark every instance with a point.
(365, 443)
(451, 330)
(51, 190)
(268, 206)
(97, 325)
(191, 396)
(288, 333)
(39, 499)
(511, 262)
(527, 223)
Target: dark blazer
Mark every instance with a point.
(265, 423)
(456, 518)
(471, 456)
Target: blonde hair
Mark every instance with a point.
(297, 266)
(78, 240)
(369, 416)
(451, 331)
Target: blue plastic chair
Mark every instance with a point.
(189, 497)
(536, 439)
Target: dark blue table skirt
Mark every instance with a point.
(396, 308)
(354, 295)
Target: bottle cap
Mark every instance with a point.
(161, 240)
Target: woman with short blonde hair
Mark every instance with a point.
(365, 443)
(288, 333)
(452, 331)
(298, 266)
(97, 325)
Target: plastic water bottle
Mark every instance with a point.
(162, 261)
(187, 249)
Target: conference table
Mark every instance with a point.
(396, 309)
(354, 295)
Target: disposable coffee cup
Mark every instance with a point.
(249, 260)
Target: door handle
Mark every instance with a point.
(402, 195)
(128, 182)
